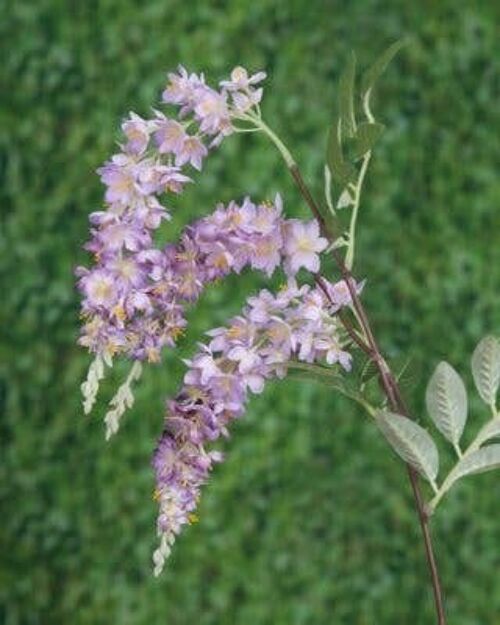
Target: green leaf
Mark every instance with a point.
(369, 371)
(367, 135)
(484, 459)
(446, 400)
(346, 98)
(411, 442)
(486, 368)
(374, 72)
(408, 373)
(341, 171)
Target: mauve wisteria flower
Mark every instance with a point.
(182, 89)
(137, 131)
(303, 245)
(192, 151)
(241, 81)
(212, 111)
(256, 346)
(241, 87)
(339, 294)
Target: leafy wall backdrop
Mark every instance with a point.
(291, 531)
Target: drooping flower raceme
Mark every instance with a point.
(261, 343)
(135, 294)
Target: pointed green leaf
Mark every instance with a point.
(411, 442)
(374, 72)
(408, 373)
(341, 171)
(367, 135)
(346, 98)
(486, 368)
(446, 400)
(369, 371)
(484, 459)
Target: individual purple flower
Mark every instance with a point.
(240, 80)
(127, 272)
(156, 178)
(169, 136)
(99, 288)
(182, 89)
(242, 102)
(241, 86)
(192, 151)
(137, 131)
(303, 245)
(151, 213)
(120, 177)
(118, 236)
(339, 294)
(329, 347)
(266, 252)
(212, 112)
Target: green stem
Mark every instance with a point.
(451, 478)
(261, 125)
(328, 190)
(349, 258)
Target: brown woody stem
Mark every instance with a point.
(388, 382)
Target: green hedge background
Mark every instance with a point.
(310, 520)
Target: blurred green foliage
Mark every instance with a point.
(310, 520)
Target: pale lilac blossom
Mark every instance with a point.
(192, 151)
(303, 245)
(137, 130)
(170, 136)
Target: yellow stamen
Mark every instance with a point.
(175, 333)
(153, 354)
(119, 312)
(234, 332)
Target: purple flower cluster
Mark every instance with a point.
(135, 294)
(272, 331)
(213, 109)
(135, 298)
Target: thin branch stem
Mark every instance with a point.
(388, 381)
(351, 331)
